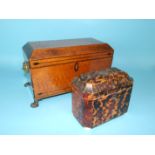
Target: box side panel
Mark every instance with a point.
(27, 48)
(124, 101)
(88, 113)
(77, 106)
(27, 75)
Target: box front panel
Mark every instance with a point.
(110, 106)
(56, 79)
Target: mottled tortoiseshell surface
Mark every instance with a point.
(100, 96)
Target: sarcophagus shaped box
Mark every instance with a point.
(100, 96)
(52, 65)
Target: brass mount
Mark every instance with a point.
(26, 66)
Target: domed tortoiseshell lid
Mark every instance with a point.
(103, 81)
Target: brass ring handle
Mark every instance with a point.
(26, 66)
(76, 67)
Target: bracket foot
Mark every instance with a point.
(35, 104)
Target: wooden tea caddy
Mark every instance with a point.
(52, 65)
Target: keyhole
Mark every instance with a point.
(76, 67)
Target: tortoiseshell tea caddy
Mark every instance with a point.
(100, 96)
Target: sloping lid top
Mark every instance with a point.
(62, 43)
(53, 48)
(104, 81)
